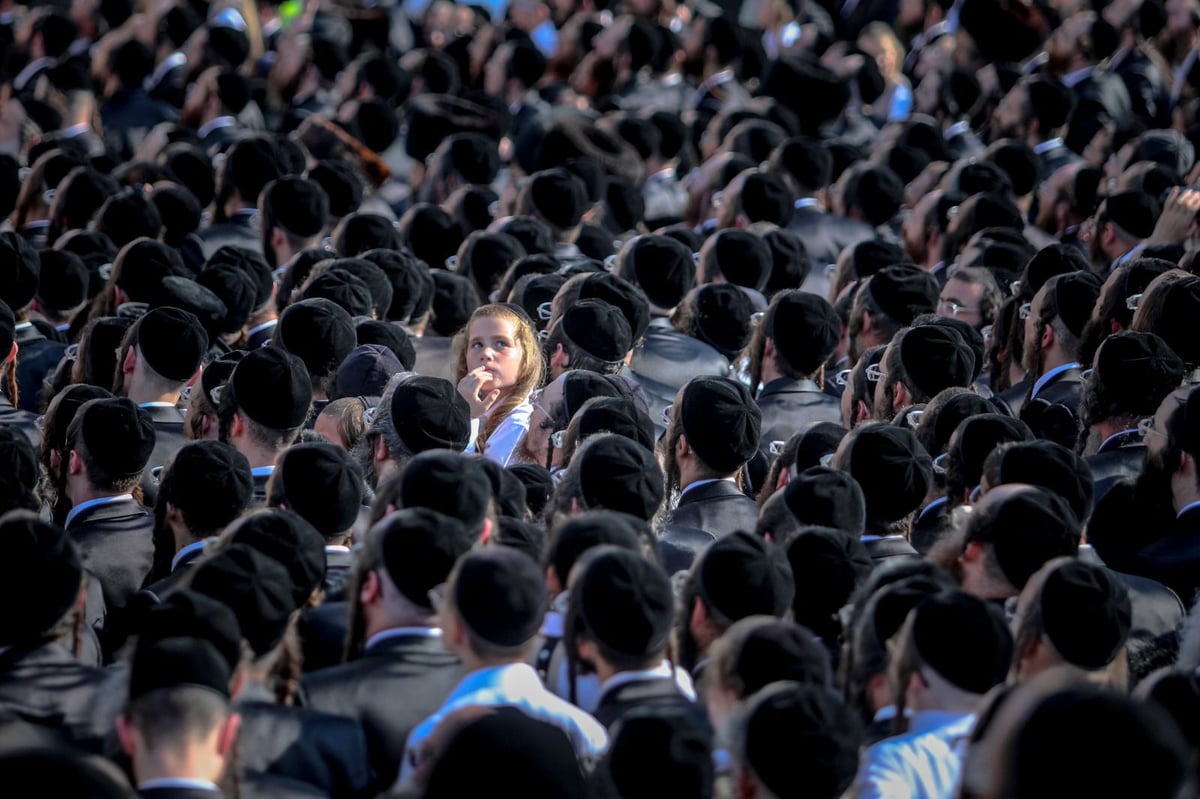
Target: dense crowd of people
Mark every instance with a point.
(581, 398)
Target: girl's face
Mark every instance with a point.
(493, 346)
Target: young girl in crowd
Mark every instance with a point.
(499, 365)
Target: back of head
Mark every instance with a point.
(797, 740)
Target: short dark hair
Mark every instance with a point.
(178, 716)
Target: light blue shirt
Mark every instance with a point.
(514, 685)
(922, 764)
(262, 471)
(183, 553)
(1053, 373)
(1187, 508)
(91, 503)
(177, 782)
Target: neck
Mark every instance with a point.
(1184, 495)
(1052, 359)
(377, 619)
(181, 535)
(258, 456)
(264, 315)
(80, 492)
(769, 372)
(188, 764)
(140, 394)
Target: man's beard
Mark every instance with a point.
(1031, 356)
(1096, 252)
(670, 467)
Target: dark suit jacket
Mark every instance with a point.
(129, 115)
(825, 235)
(1115, 463)
(1101, 97)
(241, 230)
(679, 546)
(168, 440)
(260, 338)
(1157, 610)
(47, 686)
(787, 405)
(24, 421)
(660, 693)
(1175, 559)
(666, 360)
(116, 542)
(325, 751)
(886, 548)
(37, 358)
(323, 632)
(718, 508)
(1055, 423)
(390, 689)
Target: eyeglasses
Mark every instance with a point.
(913, 418)
(976, 492)
(953, 308)
(668, 414)
(756, 318)
(557, 438)
(543, 336)
(610, 262)
(1086, 374)
(1132, 301)
(451, 262)
(1014, 288)
(544, 311)
(216, 394)
(1146, 428)
(369, 415)
(186, 394)
(827, 460)
(72, 352)
(776, 447)
(1025, 311)
(939, 463)
(986, 332)
(842, 378)
(874, 373)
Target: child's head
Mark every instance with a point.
(504, 343)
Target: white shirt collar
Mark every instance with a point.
(1078, 76)
(957, 129)
(397, 632)
(336, 548)
(699, 483)
(1048, 144)
(262, 471)
(183, 553)
(807, 202)
(22, 326)
(215, 124)
(91, 503)
(663, 671)
(262, 327)
(1053, 373)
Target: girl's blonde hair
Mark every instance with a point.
(532, 364)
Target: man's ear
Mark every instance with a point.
(1048, 337)
(74, 463)
(130, 362)
(381, 451)
(126, 735)
(227, 737)
(559, 358)
(487, 531)
(901, 398)
(682, 448)
(371, 588)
